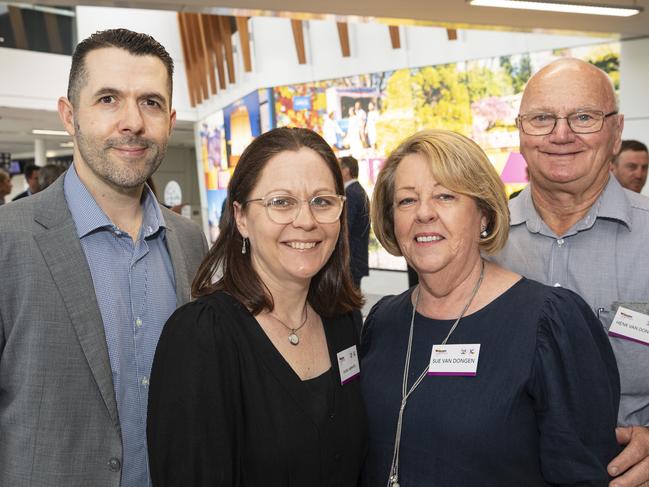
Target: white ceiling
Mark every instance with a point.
(16, 124)
(446, 13)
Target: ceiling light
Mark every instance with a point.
(573, 8)
(50, 132)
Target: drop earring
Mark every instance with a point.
(243, 247)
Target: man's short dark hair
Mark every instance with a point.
(30, 169)
(132, 42)
(350, 163)
(630, 144)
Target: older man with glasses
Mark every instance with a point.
(574, 226)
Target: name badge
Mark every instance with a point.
(456, 359)
(630, 325)
(348, 364)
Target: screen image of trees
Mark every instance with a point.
(368, 115)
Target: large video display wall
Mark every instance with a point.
(367, 115)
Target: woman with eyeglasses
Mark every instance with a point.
(254, 383)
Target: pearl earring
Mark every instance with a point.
(484, 233)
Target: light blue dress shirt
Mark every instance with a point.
(135, 288)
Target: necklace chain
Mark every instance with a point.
(292, 337)
(393, 478)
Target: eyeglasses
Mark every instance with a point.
(582, 122)
(325, 208)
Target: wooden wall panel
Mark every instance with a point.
(184, 41)
(53, 32)
(244, 37)
(217, 46)
(394, 36)
(195, 34)
(298, 38)
(208, 53)
(343, 36)
(226, 38)
(18, 27)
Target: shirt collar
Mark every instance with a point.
(88, 216)
(350, 182)
(612, 204)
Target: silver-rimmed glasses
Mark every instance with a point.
(284, 209)
(581, 122)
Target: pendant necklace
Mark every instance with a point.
(393, 477)
(293, 339)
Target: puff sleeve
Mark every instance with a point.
(193, 413)
(576, 390)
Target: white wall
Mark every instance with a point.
(38, 79)
(275, 58)
(33, 80)
(634, 92)
(162, 25)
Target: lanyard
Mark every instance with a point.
(393, 478)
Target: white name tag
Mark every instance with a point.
(630, 325)
(348, 364)
(456, 359)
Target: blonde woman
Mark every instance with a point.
(477, 376)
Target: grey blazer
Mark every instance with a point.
(58, 414)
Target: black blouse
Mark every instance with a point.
(541, 410)
(226, 409)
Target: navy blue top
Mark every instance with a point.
(541, 410)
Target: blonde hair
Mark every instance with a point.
(458, 164)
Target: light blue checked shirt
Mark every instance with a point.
(135, 288)
(604, 257)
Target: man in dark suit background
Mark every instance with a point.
(31, 176)
(358, 219)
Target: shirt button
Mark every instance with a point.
(560, 242)
(145, 381)
(149, 229)
(332, 416)
(114, 464)
(138, 322)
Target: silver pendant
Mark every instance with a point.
(293, 339)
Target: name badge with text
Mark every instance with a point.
(630, 325)
(456, 359)
(348, 364)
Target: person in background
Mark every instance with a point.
(253, 384)
(92, 267)
(331, 131)
(48, 174)
(31, 176)
(476, 376)
(370, 125)
(574, 226)
(630, 165)
(5, 185)
(358, 219)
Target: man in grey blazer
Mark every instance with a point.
(91, 269)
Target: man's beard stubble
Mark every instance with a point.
(123, 175)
